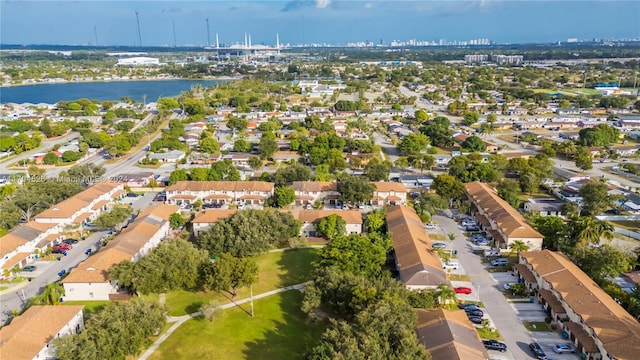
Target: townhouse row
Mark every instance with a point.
(591, 319)
(257, 192)
(90, 280)
(24, 243)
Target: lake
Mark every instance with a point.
(102, 91)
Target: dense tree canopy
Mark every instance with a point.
(249, 232)
(134, 322)
(331, 226)
(354, 189)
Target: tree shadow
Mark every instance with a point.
(194, 307)
(297, 265)
(290, 337)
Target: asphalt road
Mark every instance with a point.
(46, 273)
(45, 146)
(502, 314)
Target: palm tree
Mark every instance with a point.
(518, 246)
(442, 254)
(591, 230)
(452, 237)
(446, 296)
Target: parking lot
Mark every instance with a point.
(505, 314)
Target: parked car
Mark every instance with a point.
(70, 241)
(62, 272)
(471, 228)
(430, 226)
(30, 268)
(450, 265)
(564, 348)
(438, 245)
(492, 253)
(469, 222)
(474, 312)
(508, 286)
(59, 251)
(476, 237)
(494, 345)
(345, 207)
(63, 247)
(500, 262)
(462, 290)
(537, 351)
(476, 320)
(482, 242)
(132, 195)
(469, 306)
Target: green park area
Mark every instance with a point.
(276, 269)
(278, 330)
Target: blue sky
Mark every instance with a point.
(73, 22)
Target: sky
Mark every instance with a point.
(86, 22)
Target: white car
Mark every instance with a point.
(438, 245)
(508, 286)
(469, 223)
(430, 226)
(450, 265)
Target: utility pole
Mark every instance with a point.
(138, 25)
(251, 295)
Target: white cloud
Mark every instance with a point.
(321, 4)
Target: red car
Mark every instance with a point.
(63, 247)
(462, 290)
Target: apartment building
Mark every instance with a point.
(389, 193)
(308, 192)
(417, 263)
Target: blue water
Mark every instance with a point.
(103, 91)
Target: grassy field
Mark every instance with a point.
(279, 330)
(276, 270)
(536, 326)
(89, 306)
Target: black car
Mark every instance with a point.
(132, 194)
(494, 345)
(59, 251)
(537, 351)
(471, 228)
(70, 241)
(474, 312)
(469, 307)
(476, 320)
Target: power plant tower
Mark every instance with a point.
(208, 34)
(217, 43)
(95, 33)
(138, 25)
(175, 43)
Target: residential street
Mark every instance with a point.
(47, 272)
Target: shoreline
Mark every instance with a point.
(210, 78)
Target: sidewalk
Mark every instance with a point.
(179, 320)
(14, 287)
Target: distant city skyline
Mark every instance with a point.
(163, 23)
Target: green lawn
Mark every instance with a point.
(279, 330)
(459, 277)
(536, 326)
(276, 270)
(89, 306)
(489, 334)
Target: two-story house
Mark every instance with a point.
(389, 193)
(308, 192)
(220, 192)
(29, 335)
(310, 218)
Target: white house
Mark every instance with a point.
(29, 335)
(220, 192)
(204, 219)
(310, 218)
(90, 280)
(308, 192)
(389, 193)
